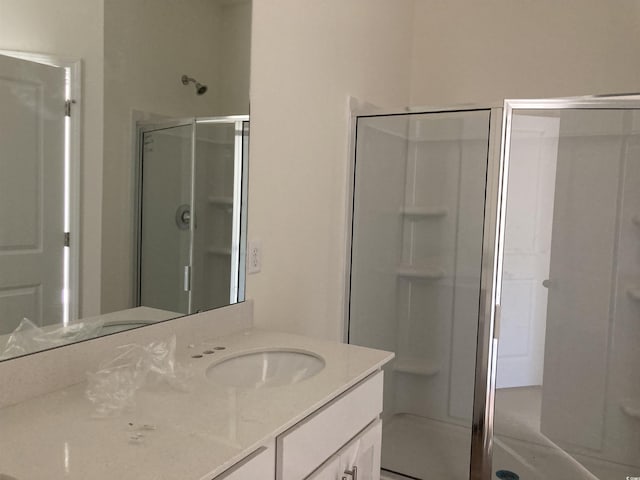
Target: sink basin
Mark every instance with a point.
(268, 368)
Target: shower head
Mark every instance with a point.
(200, 88)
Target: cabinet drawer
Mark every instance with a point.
(258, 465)
(307, 445)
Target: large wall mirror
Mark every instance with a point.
(123, 164)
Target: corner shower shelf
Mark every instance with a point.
(220, 200)
(415, 366)
(412, 273)
(219, 251)
(631, 408)
(418, 213)
(634, 293)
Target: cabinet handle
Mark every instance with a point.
(353, 472)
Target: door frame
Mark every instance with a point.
(592, 102)
(142, 127)
(73, 170)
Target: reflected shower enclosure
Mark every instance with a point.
(191, 215)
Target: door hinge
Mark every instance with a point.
(67, 239)
(67, 107)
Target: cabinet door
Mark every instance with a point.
(363, 454)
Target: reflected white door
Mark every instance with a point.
(532, 171)
(31, 192)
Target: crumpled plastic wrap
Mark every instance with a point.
(113, 387)
(30, 338)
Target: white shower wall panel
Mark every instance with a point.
(467, 277)
(438, 321)
(622, 438)
(380, 184)
(213, 230)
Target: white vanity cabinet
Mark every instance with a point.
(358, 460)
(259, 465)
(306, 446)
(296, 431)
(340, 435)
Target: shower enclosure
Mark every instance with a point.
(191, 215)
(496, 250)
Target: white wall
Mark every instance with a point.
(307, 58)
(234, 51)
(71, 29)
(487, 50)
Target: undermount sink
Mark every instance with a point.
(267, 368)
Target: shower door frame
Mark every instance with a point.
(498, 159)
(240, 196)
(490, 279)
(626, 101)
(142, 128)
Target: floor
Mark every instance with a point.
(425, 449)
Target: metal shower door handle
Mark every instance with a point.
(353, 472)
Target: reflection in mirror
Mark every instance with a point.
(90, 87)
(189, 213)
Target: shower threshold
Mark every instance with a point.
(419, 448)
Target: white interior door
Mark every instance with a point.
(532, 171)
(32, 127)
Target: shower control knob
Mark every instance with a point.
(183, 217)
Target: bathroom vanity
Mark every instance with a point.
(232, 423)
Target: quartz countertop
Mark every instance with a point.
(95, 326)
(171, 434)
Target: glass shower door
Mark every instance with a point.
(220, 159)
(417, 255)
(192, 213)
(165, 218)
(568, 397)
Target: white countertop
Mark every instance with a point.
(195, 435)
(94, 326)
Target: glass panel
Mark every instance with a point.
(415, 281)
(213, 230)
(568, 384)
(165, 218)
(244, 200)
